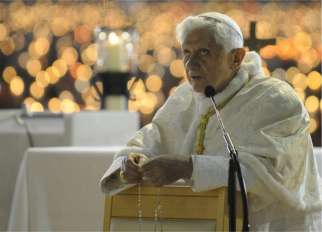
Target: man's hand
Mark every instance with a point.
(130, 170)
(166, 169)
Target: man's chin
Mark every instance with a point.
(198, 88)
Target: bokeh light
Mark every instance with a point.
(54, 105)
(7, 46)
(43, 79)
(82, 34)
(53, 74)
(70, 55)
(312, 104)
(41, 46)
(177, 68)
(36, 107)
(61, 67)
(84, 72)
(299, 81)
(3, 32)
(66, 95)
(67, 106)
(9, 73)
(313, 125)
(36, 90)
(33, 67)
(314, 80)
(153, 83)
(17, 86)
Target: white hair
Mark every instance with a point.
(225, 30)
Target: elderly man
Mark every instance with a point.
(267, 123)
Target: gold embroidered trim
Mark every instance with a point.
(201, 131)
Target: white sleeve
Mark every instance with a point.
(145, 141)
(210, 172)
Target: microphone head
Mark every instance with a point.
(209, 91)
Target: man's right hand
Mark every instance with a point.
(131, 168)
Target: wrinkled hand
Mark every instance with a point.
(166, 169)
(130, 170)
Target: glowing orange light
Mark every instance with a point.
(41, 46)
(82, 34)
(290, 73)
(36, 107)
(66, 95)
(32, 51)
(3, 32)
(60, 26)
(43, 79)
(313, 125)
(70, 55)
(36, 91)
(9, 73)
(303, 41)
(314, 80)
(177, 68)
(17, 86)
(268, 52)
(84, 72)
(67, 106)
(153, 83)
(54, 105)
(299, 81)
(7, 46)
(312, 104)
(33, 67)
(28, 101)
(53, 74)
(61, 66)
(146, 63)
(285, 49)
(165, 55)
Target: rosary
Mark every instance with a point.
(157, 209)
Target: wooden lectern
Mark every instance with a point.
(178, 202)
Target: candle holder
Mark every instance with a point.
(115, 62)
(115, 94)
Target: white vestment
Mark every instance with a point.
(268, 125)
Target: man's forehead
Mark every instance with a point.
(199, 36)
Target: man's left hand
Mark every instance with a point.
(166, 169)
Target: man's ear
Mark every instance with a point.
(237, 56)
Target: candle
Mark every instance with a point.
(114, 52)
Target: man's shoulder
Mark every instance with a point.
(271, 97)
(183, 94)
(180, 101)
(272, 89)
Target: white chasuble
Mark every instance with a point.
(268, 125)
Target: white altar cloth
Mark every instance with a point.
(13, 144)
(57, 189)
(103, 128)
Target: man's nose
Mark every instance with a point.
(193, 62)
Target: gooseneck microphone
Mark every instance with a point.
(234, 169)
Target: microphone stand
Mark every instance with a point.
(234, 169)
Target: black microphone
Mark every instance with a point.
(234, 168)
(210, 91)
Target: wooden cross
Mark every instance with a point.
(255, 44)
